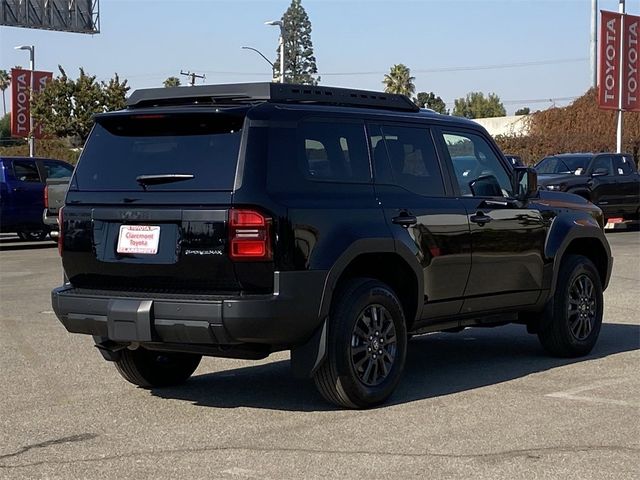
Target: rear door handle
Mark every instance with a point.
(405, 220)
(480, 218)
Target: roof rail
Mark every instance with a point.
(250, 93)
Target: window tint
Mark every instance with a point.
(472, 158)
(26, 171)
(622, 166)
(412, 157)
(334, 151)
(122, 148)
(57, 170)
(602, 163)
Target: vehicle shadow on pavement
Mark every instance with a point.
(437, 365)
(14, 245)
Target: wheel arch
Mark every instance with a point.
(386, 260)
(579, 235)
(383, 259)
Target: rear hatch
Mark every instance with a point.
(149, 204)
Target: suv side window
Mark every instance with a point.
(57, 170)
(26, 171)
(622, 166)
(334, 151)
(602, 162)
(472, 157)
(410, 155)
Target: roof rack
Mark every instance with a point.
(251, 93)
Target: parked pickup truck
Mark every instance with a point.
(22, 182)
(54, 192)
(609, 180)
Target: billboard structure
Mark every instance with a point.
(76, 16)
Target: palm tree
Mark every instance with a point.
(172, 82)
(399, 80)
(5, 81)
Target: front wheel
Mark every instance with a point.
(367, 346)
(573, 318)
(148, 369)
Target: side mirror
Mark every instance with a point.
(486, 186)
(600, 172)
(524, 182)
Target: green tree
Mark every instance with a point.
(430, 100)
(476, 105)
(399, 80)
(5, 130)
(115, 93)
(171, 82)
(65, 107)
(523, 111)
(5, 82)
(300, 63)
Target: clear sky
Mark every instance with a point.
(355, 43)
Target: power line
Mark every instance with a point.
(469, 68)
(498, 66)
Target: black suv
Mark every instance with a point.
(241, 220)
(609, 180)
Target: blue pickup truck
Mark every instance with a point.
(22, 183)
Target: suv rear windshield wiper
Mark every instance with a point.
(145, 180)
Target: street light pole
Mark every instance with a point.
(594, 43)
(621, 9)
(282, 37)
(32, 65)
(261, 54)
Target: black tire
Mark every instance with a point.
(572, 320)
(33, 235)
(353, 375)
(148, 369)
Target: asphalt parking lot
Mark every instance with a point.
(486, 403)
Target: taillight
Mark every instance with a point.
(249, 233)
(46, 197)
(60, 230)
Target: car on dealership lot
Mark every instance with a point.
(242, 220)
(22, 194)
(609, 180)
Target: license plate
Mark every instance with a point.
(142, 239)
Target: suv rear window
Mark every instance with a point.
(122, 148)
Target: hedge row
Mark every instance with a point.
(579, 127)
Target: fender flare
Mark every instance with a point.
(306, 358)
(567, 228)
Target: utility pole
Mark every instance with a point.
(621, 9)
(193, 76)
(594, 43)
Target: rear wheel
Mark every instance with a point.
(573, 318)
(148, 369)
(33, 235)
(367, 346)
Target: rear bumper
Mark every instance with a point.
(284, 319)
(50, 220)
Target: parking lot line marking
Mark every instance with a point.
(571, 394)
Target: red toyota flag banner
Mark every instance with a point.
(20, 107)
(631, 64)
(20, 82)
(609, 65)
(39, 82)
